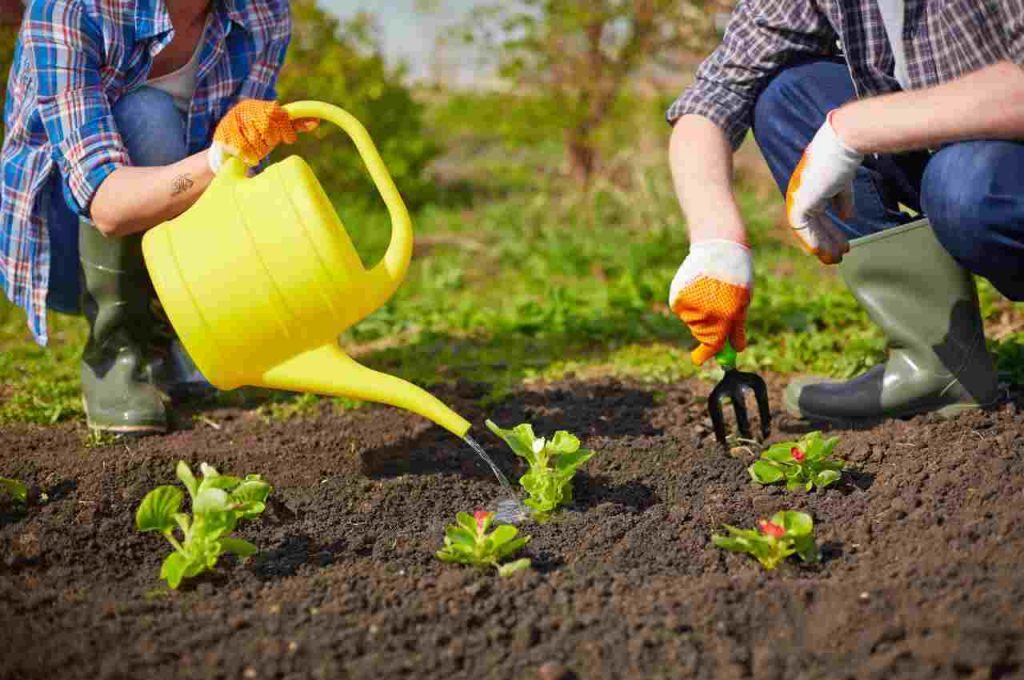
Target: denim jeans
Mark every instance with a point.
(972, 192)
(153, 131)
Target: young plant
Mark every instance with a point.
(17, 490)
(805, 464)
(467, 542)
(218, 503)
(553, 464)
(786, 533)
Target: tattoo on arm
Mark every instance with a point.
(182, 183)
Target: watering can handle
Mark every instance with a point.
(393, 266)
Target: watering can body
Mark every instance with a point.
(259, 278)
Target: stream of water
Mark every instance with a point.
(509, 510)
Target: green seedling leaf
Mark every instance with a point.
(513, 567)
(17, 490)
(184, 473)
(804, 465)
(158, 509)
(467, 542)
(786, 533)
(218, 503)
(553, 464)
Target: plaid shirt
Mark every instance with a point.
(74, 59)
(943, 40)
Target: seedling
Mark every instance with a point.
(786, 533)
(218, 502)
(805, 464)
(17, 490)
(467, 542)
(553, 464)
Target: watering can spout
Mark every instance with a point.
(328, 370)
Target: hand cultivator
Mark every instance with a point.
(733, 386)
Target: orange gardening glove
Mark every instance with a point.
(252, 129)
(710, 294)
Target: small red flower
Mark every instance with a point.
(771, 529)
(797, 454)
(481, 517)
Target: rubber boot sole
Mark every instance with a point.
(141, 429)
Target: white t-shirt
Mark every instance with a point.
(181, 84)
(892, 17)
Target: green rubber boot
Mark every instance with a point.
(117, 391)
(928, 307)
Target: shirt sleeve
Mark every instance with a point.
(64, 47)
(762, 36)
(1013, 25)
(262, 80)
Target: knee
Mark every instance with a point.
(972, 193)
(151, 126)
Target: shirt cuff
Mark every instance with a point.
(89, 159)
(717, 103)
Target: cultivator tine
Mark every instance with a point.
(739, 405)
(761, 395)
(715, 410)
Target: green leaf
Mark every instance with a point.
(513, 567)
(460, 535)
(173, 569)
(502, 534)
(512, 547)
(794, 485)
(208, 471)
(16, 489)
(250, 497)
(466, 521)
(238, 546)
(780, 453)
(795, 523)
(807, 549)
(210, 500)
(184, 473)
(564, 442)
(158, 509)
(826, 478)
(765, 472)
(183, 521)
(520, 439)
(568, 462)
(225, 482)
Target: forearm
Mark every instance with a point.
(133, 199)
(986, 104)
(701, 160)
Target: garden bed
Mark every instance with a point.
(921, 575)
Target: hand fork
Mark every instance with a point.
(732, 385)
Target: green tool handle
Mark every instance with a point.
(727, 357)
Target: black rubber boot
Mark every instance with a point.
(928, 307)
(117, 388)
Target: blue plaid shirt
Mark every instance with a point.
(74, 59)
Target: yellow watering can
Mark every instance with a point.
(259, 278)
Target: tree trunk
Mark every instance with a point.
(582, 155)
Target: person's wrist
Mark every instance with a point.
(846, 126)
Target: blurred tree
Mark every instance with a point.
(342, 64)
(582, 53)
(10, 19)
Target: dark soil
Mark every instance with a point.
(921, 575)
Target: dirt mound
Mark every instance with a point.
(921, 576)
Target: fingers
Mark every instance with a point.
(842, 203)
(738, 336)
(306, 124)
(703, 353)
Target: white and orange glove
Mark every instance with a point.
(252, 129)
(711, 292)
(824, 174)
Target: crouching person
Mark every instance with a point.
(116, 119)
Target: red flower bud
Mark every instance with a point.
(771, 529)
(481, 517)
(797, 454)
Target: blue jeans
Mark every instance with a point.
(153, 131)
(972, 192)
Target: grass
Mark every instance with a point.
(521, 285)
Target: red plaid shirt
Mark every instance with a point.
(73, 60)
(943, 40)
